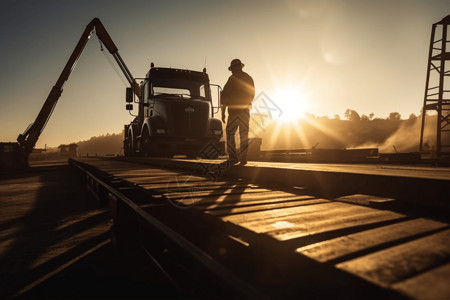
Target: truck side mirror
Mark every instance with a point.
(216, 92)
(129, 106)
(129, 95)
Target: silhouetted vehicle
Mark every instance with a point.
(18, 153)
(176, 116)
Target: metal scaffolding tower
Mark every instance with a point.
(437, 91)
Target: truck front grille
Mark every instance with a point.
(191, 119)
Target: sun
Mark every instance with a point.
(292, 102)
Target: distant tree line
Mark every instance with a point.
(352, 115)
(109, 144)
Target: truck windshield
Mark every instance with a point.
(178, 87)
(157, 91)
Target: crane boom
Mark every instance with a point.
(28, 139)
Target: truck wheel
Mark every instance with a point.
(146, 145)
(129, 149)
(125, 149)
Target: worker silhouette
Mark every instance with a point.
(237, 96)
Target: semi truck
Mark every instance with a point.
(175, 116)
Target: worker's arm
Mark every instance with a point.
(223, 108)
(252, 89)
(224, 101)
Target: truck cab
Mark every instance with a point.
(176, 116)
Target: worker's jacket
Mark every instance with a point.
(239, 91)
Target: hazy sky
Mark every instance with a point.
(369, 56)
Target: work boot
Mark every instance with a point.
(243, 163)
(233, 160)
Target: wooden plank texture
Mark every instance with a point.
(395, 264)
(255, 206)
(430, 285)
(353, 243)
(295, 222)
(408, 254)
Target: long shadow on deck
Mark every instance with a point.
(54, 222)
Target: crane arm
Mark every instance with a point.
(109, 44)
(28, 139)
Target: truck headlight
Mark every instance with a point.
(160, 131)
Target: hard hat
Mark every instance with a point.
(235, 62)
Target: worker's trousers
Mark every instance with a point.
(238, 118)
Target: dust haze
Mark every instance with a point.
(388, 135)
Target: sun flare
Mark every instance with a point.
(292, 102)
